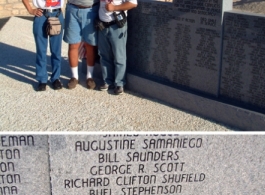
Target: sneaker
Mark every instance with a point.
(41, 87)
(72, 83)
(57, 84)
(118, 90)
(106, 87)
(90, 83)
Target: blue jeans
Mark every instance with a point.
(41, 40)
(112, 52)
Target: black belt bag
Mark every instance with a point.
(120, 19)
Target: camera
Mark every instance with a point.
(120, 18)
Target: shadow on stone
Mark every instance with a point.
(19, 64)
(3, 21)
(30, 18)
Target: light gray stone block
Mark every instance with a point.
(24, 165)
(157, 164)
(213, 109)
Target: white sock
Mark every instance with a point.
(74, 72)
(90, 70)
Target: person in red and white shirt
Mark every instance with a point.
(41, 11)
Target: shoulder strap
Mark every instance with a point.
(59, 12)
(46, 15)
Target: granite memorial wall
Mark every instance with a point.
(132, 164)
(200, 46)
(178, 42)
(243, 67)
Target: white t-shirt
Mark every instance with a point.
(107, 16)
(48, 4)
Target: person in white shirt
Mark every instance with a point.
(44, 9)
(112, 38)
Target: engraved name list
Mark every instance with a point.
(132, 165)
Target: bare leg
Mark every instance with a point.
(91, 52)
(73, 54)
(73, 61)
(90, 58)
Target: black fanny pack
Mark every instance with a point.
(120, 19)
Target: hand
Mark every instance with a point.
(110, 7)
(36, 12)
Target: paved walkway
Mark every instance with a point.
(24, 109)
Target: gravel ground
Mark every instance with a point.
(24, 109)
